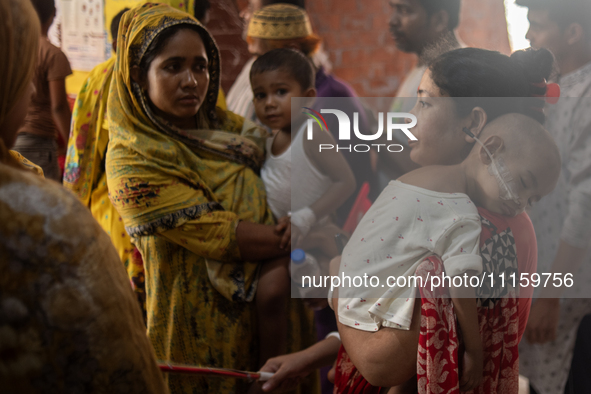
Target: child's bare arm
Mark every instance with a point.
(332, 164)
(464, 300)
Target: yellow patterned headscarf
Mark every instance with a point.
(280, 22)
(129, 107)
(19, 40)
(161, 177)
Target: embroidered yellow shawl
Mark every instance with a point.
(162, 180)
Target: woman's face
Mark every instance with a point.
(16, 116)
(178, 79)
(440, 139)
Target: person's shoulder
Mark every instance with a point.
(50, 49)
(336, 87)
(102, 68)
(28, 165)
(520, 224)
(30, 195)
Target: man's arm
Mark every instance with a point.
(60, 109)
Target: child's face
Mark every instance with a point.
(272, 92)
(528, 176)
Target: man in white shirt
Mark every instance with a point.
(426, 28)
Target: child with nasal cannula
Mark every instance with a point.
(431, 211)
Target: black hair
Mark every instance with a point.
(483, 75)
(200, 9)
(452, 7)
(289, 60)
(564, 12)
(158, 44)
(299, 3)
(115, 23)
(45, 9)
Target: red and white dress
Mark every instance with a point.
(507, 245)
(404, 226)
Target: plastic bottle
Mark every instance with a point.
(305, 265)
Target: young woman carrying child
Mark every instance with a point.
(182, 173)
(388, 357)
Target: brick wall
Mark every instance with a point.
(226, 27)
(356, 37)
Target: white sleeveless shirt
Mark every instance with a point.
(292, 167)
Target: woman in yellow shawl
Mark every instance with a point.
(182, 175)
(84, 172)
(68, 318)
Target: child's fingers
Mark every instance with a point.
(286, 239)
(280, 227)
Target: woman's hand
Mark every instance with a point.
(472, 370)
(290, 369)
(258, 242)
(543, 320)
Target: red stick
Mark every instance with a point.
(193, 370)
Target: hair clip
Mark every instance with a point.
(552, 94)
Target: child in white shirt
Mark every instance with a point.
(431, 211)
(326, 179)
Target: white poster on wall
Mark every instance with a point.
(83, 33)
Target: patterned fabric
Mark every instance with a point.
(499, 257)
(439, 356)
(181, 194)
(280, 22)
(90, 133)
(85, 169)
(405, 225)
(348, 380)
(499, 315)
(156, 180)
(68, 319)
(26, 163)
(502, 317)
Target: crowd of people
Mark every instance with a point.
(173, 243)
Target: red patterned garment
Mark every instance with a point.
(348, 380)
(502, 317)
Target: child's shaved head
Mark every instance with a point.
(526, 164)
(524, 137)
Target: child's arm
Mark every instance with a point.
(464, 300)
(332, 164)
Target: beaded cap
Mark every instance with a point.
(280, 22)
